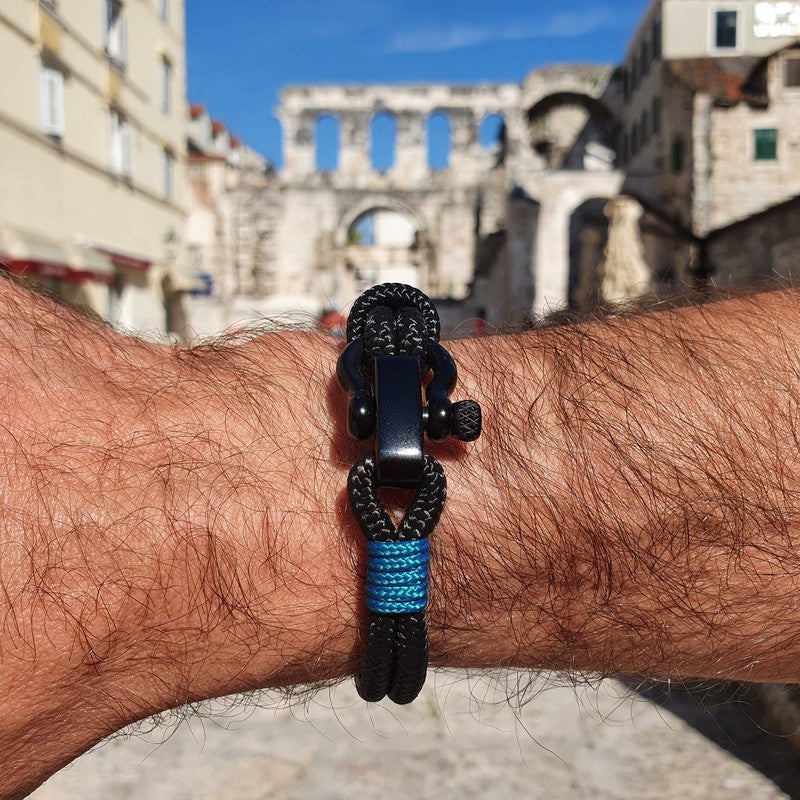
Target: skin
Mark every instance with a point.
(175, 525)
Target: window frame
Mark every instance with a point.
(677, 155)
(51, 88)
(773, 145)
(115, 33)
(167, 174)
(794, 60)
(120, 144)
(715, 47)
(166, 73)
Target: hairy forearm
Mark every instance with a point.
(638, 497)
(176, 525)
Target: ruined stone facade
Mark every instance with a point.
(698, 132)
(491, 228)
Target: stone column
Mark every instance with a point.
(353, 142)
(464, 142)
(410, 147)
(298, 144)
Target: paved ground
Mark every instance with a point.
(461, 739)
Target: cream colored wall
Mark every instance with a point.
(65, 189)
(689, 29)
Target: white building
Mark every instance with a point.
(92, 143)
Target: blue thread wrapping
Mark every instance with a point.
(397, 576)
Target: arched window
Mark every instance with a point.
(326, 143)
(382, 135)
(437, 136)
(382, 248)
(490, 133)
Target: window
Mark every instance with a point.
(115, 35)
(655, 115)
(163, 10)
(437, 140)
(677, 156)
(644, 56)
(791, 72)
(166, 85)
(51, 101)
(166, 174)
(119, 139)
(725, 34)
(644, 126)
(765, 141)
(383, 132)
(326, 143)
(656, 34)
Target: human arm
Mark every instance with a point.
(175, 523)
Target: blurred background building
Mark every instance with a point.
(581, 185)
(92, 146)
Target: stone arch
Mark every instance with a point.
(573, 130)
(382, 243)
(327, 142)
(383, 140)
(492, 135)
(588, 235)
(438, 140)
(373, 203)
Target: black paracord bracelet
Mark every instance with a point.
(393, 342)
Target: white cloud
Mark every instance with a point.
(565, 25)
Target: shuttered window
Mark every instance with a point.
(51, 101)
(166, 174)
(765, 144)
(120, 145)
(791, 75)
(725, 34)
(115, 35)
(676, 158)
(166, 85)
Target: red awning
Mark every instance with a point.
(120, 259)
(29, 253)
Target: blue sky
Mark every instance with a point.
(242, 53)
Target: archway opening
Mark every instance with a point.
(326, 143)
(437, 138)
(492, 137)
(382, 137)
(569, 130)
(588, 236)
(381, 247)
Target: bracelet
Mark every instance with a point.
(393, 343)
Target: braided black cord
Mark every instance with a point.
(394, 319)
(395, 652)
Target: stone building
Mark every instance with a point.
(92, 143)
(709, 123)
(224, 226)
(466, 230)
(695, 129)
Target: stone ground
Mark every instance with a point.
(461, 739)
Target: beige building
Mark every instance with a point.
(92, 143)
(711, 109)
(225, 227)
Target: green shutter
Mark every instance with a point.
(677, 155)
(766, 144)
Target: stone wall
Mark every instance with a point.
(758, 250)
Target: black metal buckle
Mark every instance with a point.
(392, 408)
